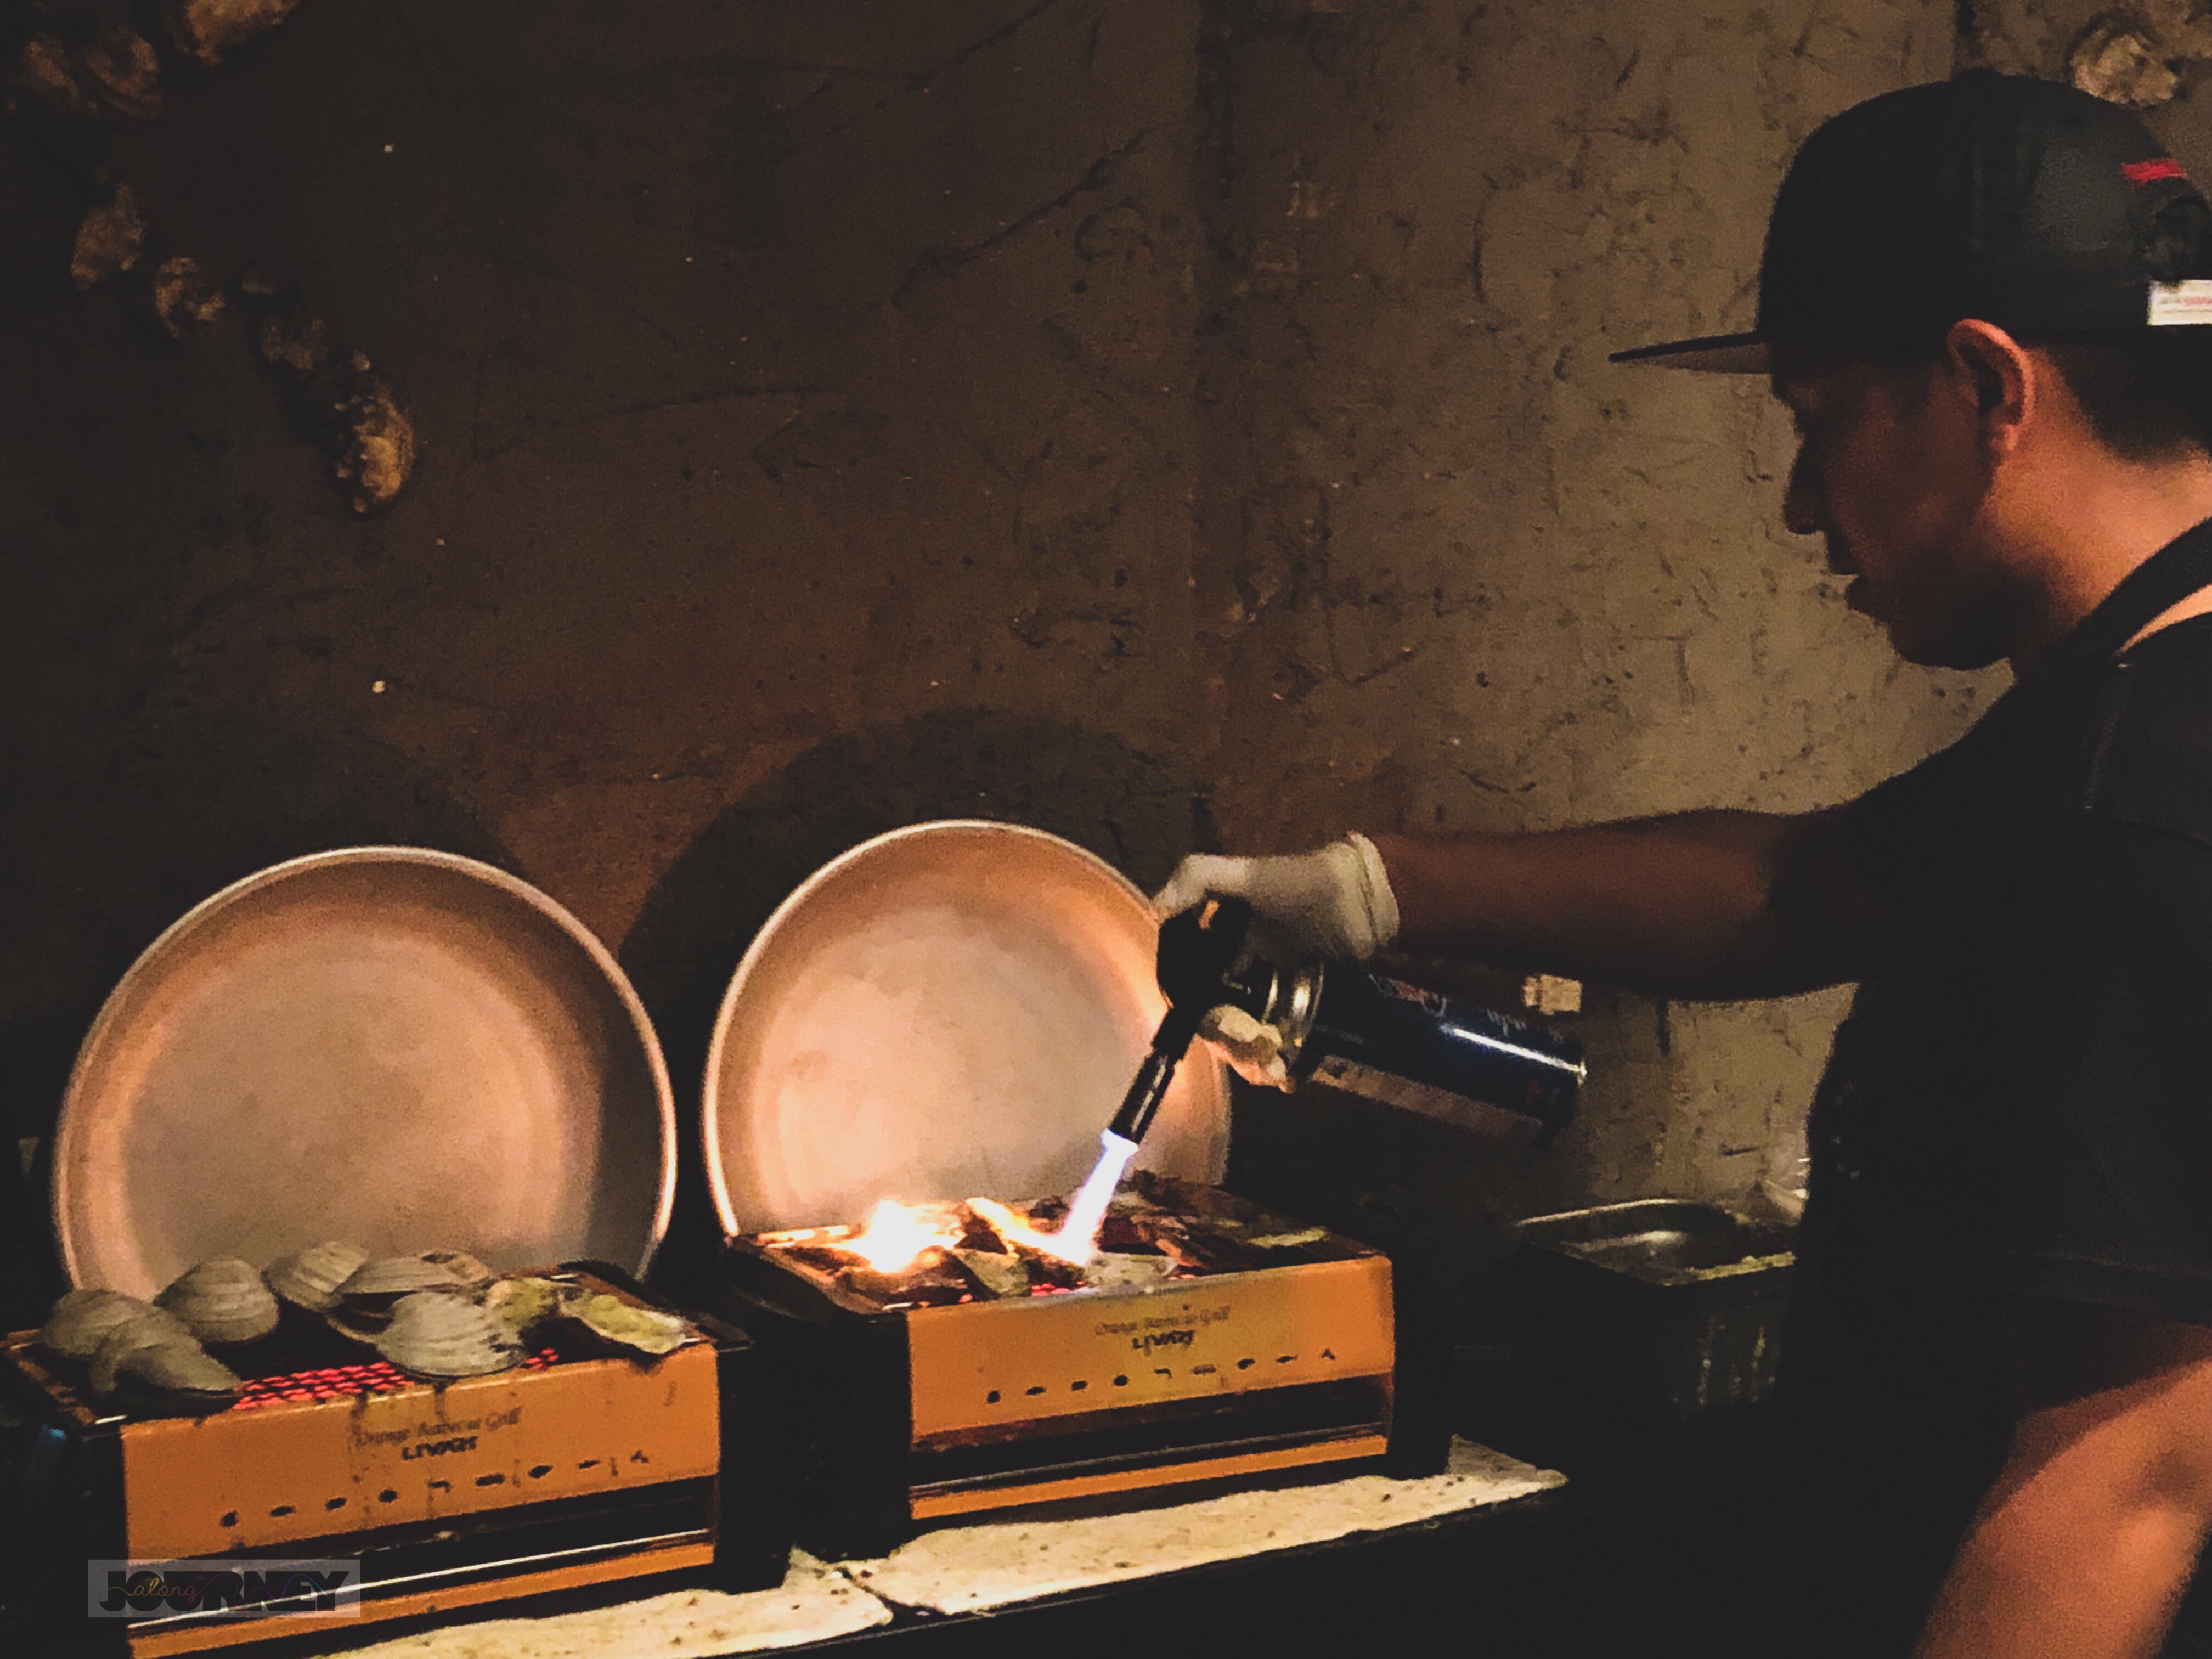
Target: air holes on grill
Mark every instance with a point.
(334, 1503)
(1078, 1386)
(282, 1508)
(230, 1518)
(540, 1471)
(1120, 1382)
(387, 1496)
(1246, 1365)
(1285, 1358)
(1204, 1371)
(491, 1480)
(1035, 1388)
(993, 1398)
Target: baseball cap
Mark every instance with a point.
(2023, 203)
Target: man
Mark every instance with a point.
(1977, 301)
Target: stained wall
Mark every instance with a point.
(1175, 423)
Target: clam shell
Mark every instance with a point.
(388, 1278)
(149, 1328)
(310, 1278)
(222, 1300)
(646, 1330)
(179, 1369)
(438, 1335)
(82, 1320)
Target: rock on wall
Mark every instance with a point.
(1461, 573)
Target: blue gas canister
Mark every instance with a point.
(1358, 1031)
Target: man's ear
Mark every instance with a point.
(2002, 378)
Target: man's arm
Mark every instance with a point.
(1718, 904)
(2086, 1543)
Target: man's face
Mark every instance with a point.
(1891, 471)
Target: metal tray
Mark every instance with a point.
(952, 1009)
(1673, 1306)
(386, 1044)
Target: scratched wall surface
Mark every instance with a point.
(1167, 421)
(1465, 574)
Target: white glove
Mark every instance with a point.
(1336, 902)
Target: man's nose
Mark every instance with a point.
(1801, 502)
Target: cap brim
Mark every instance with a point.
(1717, 353)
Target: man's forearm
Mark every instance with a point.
(2089, 1538)
(1701, 905)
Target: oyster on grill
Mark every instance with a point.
(82, 1320)
(309, 1279)
(526, 1301)
(627, 1325)
(437, 1335)
(221, 1300)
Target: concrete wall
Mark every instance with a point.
(1165, 421)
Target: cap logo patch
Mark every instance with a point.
(2145, 173)
(2181, 303)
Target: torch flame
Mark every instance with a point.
(896, 1235)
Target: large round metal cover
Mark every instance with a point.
(951, 1010)
(390, 1045)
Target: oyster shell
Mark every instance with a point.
(309, 1279)
(82, 1320)
(627, 1325)
(149, 1328)
(437, 1335)
(221, 1300)
(1000, 1274)
(1116, 1272)
(526, 1301)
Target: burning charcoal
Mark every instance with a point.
(299, 343)
(976, 1234)
(185, 297)
(995, 1274)
(209, 30)
(109, 240)
(1122, 1232)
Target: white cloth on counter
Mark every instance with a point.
(813, 1604)
(996, 1564)
(986, 1565)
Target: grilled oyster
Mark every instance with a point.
(627, 1325)
(437, 1335)
(82, 1320)
(526, 1302)
(1117, 1272)
(309, 1279)
(221, 1300)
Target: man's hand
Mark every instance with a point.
(2086, 1541)
(1336, 902)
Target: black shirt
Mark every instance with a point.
(2019, 1104)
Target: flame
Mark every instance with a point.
(896, 1234)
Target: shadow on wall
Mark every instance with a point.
(1134, 810)
(101, 864)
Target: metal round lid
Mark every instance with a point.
(401, 1047)
(948, 1011)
